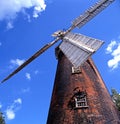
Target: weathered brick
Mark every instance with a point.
(100, 110)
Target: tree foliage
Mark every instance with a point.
(2, 121)
(116, 98)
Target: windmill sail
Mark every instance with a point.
(91, 12)
(38, 53)
(78, 47)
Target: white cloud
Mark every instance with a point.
(0, 105)
(25, 90)
(115, 53)
(13, 108)
(10, 114)
(9, 25)
(36, 72)
(19, 101)
(110, 47)
(28, 76)
(17, 62)
(27, 16)
(10, 8)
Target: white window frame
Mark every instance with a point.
(76, 70)
(80, 102)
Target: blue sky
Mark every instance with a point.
(25, 26)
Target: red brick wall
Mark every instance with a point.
(100, 110)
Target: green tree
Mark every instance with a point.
(116, 98)
(2, 121)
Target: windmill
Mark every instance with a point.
(89, 47)
(74, 100)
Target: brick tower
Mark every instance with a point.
(80, 96)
